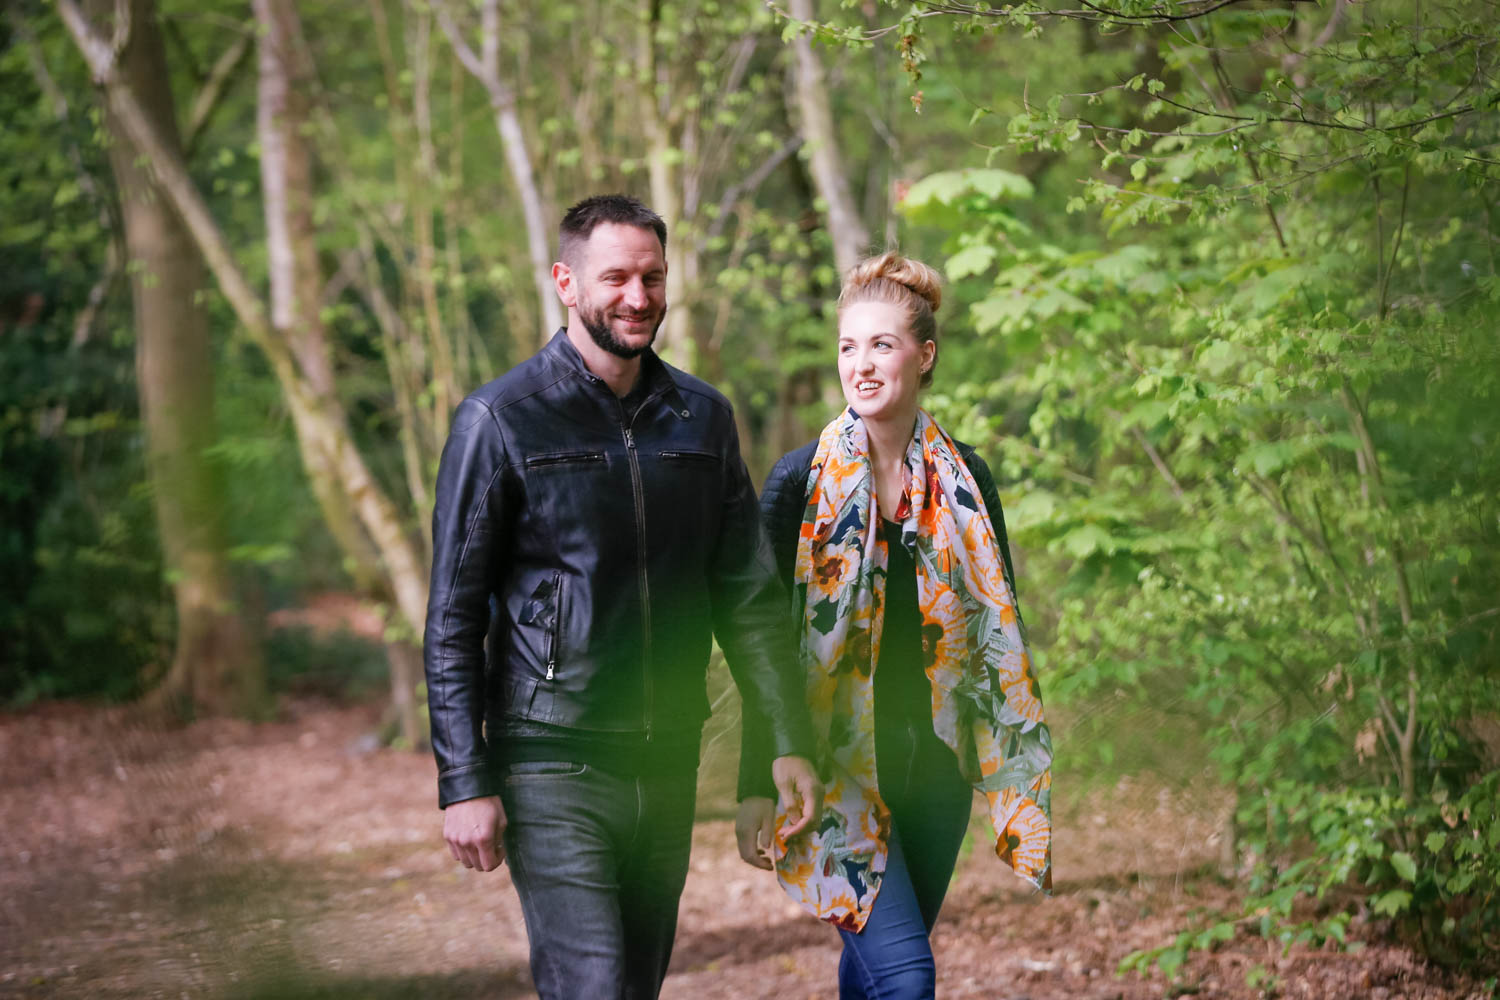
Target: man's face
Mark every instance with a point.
(619, 288)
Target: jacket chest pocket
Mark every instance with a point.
(689, 475)
(562, 461)
(565, 491)
(689, 486)
(542, 616)
(689, 464)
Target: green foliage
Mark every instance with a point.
(1431, 867)
(83, 607)
(1247, 400)
(338, 664)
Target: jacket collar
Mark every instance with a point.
(655, 371)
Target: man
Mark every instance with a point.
(594, 524)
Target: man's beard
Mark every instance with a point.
(598, 327)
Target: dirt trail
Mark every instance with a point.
(296, 860)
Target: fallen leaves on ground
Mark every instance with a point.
(298, 859)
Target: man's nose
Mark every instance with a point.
(635, 295)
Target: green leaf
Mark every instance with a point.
(971, 260)
(946, 187)
(1035, 507)
(1218, 357)
(1391, 903)
(1084, 541)
(1266, 457)
(997, 310)
(1404, 865)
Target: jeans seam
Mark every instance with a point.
(871, 988)
(640, 813)
(554, 967)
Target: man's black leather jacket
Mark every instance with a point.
(611, 547)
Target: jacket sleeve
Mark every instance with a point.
(991, 497)
(750, 618)
(781, 504)
(467, 544)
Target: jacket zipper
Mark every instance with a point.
(640, 545)
(556, 625)
(639, 493)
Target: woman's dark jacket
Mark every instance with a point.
(782, 505)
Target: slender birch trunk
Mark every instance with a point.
(485, 67)
(851, 240)
(282, 121)
(663, 166)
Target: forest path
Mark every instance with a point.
(295, 859)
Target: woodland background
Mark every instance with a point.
(1221, 313)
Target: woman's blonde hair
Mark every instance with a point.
(899, 281)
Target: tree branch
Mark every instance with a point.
(1091, 13)
(461, 48)
(1063, 470)
(1161, 465)
(1385, 283)
(1293, 60)
(1319, 541)
(212, 91)
(747, 186)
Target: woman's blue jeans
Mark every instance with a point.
(891, 959)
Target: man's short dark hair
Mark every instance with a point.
(579, 222)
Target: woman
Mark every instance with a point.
(890, 536)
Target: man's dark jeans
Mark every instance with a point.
(599, 860)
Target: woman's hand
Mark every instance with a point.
(801, 792)
(754, 828)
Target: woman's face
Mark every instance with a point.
(880, 361)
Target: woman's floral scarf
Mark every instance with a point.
(985, 702)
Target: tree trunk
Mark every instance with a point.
(404, 660)
(292, 258)
(216, 667)
(485, 67)
(421, 196)
(286, 180)
(663, 162)
(851, 240)
(286, 164)
(322, 427)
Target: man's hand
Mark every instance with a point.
(800, 790)
(472, 829)
(754, 830)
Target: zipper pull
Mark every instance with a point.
(629, 439)
(551, 668)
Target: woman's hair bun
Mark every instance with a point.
(890, 266)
